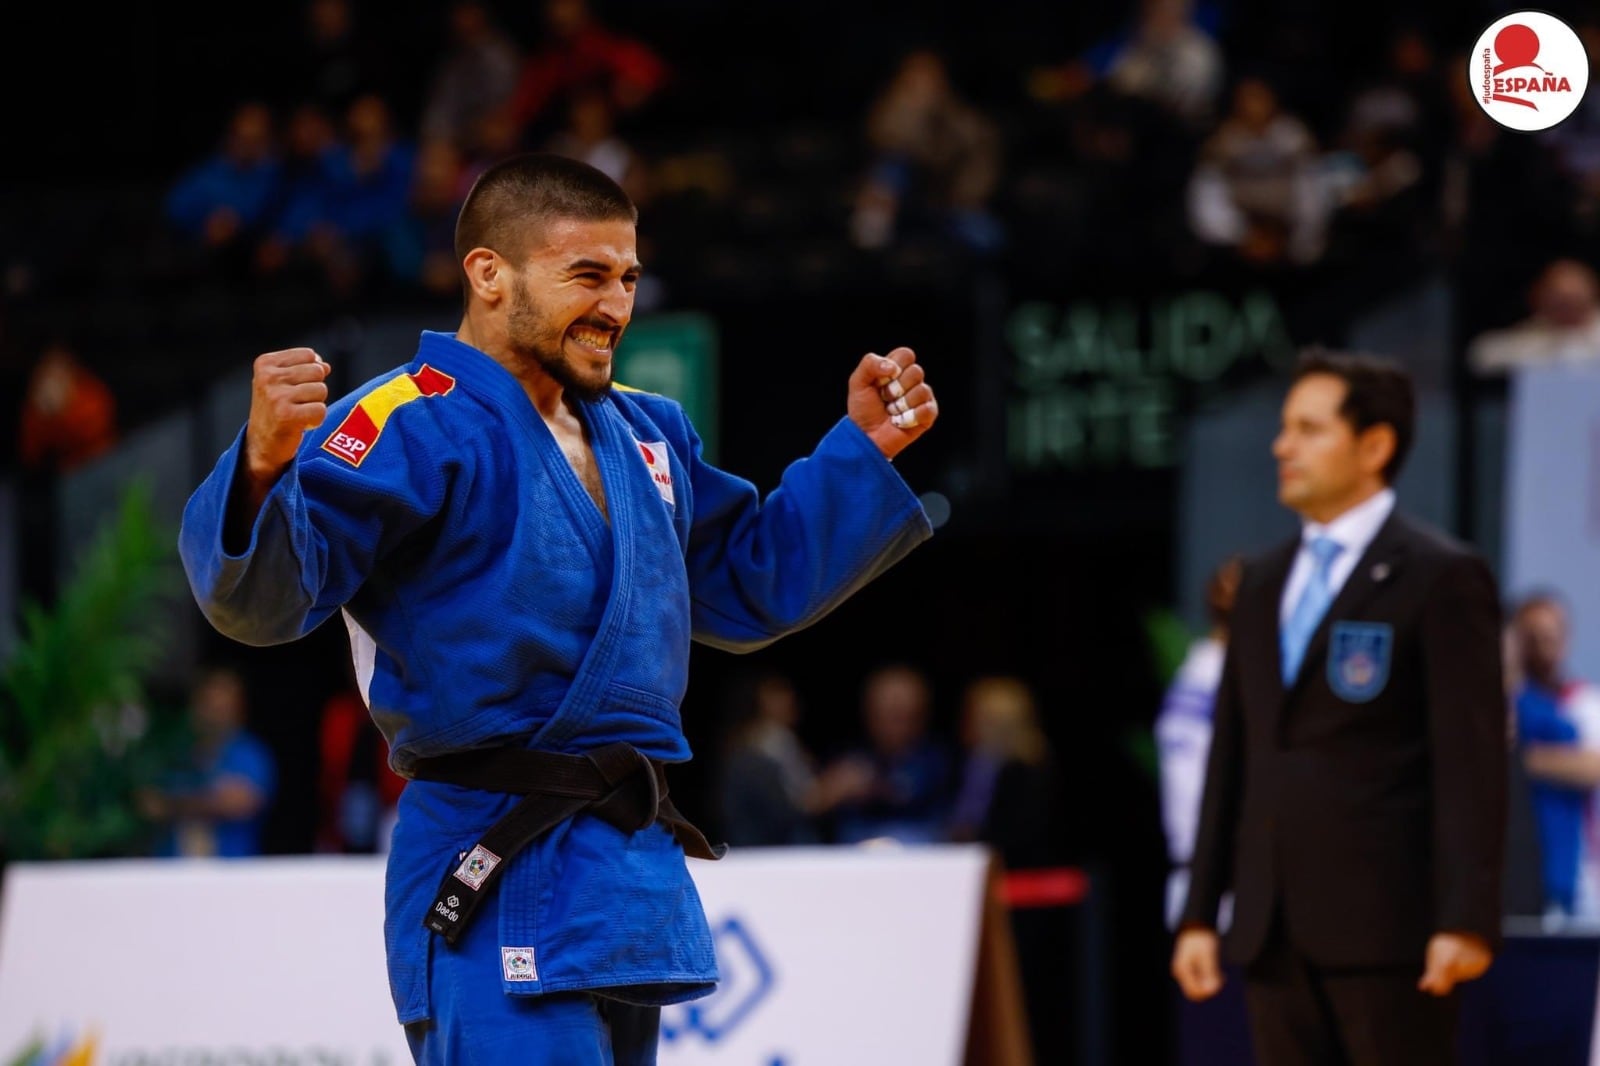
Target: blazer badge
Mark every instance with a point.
(1358, 659)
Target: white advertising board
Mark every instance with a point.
(830, 956)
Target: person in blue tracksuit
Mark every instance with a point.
(522, 551)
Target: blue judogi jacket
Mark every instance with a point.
(490, 603)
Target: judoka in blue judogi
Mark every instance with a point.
(522, 551)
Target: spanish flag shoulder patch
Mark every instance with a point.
(358, 434)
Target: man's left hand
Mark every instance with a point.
(890, 400)
(1453, 958)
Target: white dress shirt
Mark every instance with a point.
(1353, 531)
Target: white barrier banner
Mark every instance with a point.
(828, 955)
(833, 956)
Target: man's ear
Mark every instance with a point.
(485, 274)
(1376, 447)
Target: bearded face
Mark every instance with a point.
(567, 353)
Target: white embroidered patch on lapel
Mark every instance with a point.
(657, 460)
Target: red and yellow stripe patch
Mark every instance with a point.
(353, 441)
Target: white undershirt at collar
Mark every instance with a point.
(1354, 530)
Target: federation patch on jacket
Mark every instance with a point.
(353, 441)
(657, 460)
(1358, 659)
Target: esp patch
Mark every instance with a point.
(356, 436)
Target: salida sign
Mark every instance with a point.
(1103, 386)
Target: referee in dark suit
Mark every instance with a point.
(1355, 799)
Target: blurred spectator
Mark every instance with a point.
(357, 791)
(1172, 61)
(1374, 183)
(421, 246)
(219, 204)
(1380, 189)
(371, 187)
(1408, 98)
(1564, 326)
(376, 168)
(215, 804)
(1183, 730)
(589, 133)
(69, 415)
(935, 162)
(766, 773)
(1011, 799)
(898, 786)
(578, 50)
(1010, 795)
(1558, 727)
(1255, 189)
(1525, 875)
(306, 190)
(1507, 208)
(473, 80)
(768, 790)
(1099, 188)
(335, 61)
(498, 138)
(1167, 55)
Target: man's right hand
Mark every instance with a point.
(1196, 965)
(288, 395)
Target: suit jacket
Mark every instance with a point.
(1368, 800)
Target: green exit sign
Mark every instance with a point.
(675, 354)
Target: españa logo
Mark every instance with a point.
(359, 432)
(1528, 71)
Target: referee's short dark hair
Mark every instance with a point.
(1378, 391)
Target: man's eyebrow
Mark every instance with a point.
(594, 264)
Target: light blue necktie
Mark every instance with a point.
(1310, 608)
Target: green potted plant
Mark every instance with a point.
(77, 733)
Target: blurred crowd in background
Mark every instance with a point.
(1336, 152)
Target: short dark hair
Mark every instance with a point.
(1378, 392)
(511, 200)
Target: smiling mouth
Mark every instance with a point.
(599, 341)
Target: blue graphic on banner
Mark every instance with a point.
(746, 979)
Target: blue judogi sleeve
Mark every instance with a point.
(313, 543)
(760, 569)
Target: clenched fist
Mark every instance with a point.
(891, 401)
(288, 395)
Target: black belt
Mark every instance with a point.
(616, 783)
